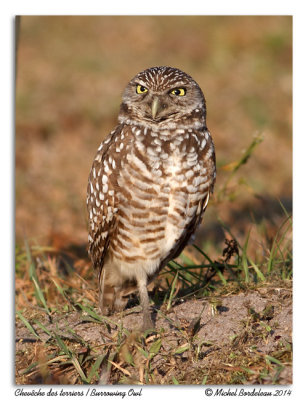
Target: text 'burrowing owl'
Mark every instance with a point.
(149, 184)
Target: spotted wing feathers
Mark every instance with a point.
(101, 202)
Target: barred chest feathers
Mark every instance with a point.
(161, 184)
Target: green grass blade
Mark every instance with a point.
(174, 323)
(284, 209)
(248, 152)
(59, 288)
(91, 313)
(186, 260)
(100, 318)
(174, 268)
(40, 296)
(203, 253)
(271, 359)
(28, 369)
(155, 347)
(245, 258)
(257, 270)
(243, 160)
(32, 270)
(276, 244)
(172, 291)
(72, 357)
(95, 367)
(181, 349)
(78, 368)
(28, 325)
(190, 275)
(43, 327)
(143, 352)
(76, 336)
(33, 276)
(63, 346)
(220, 274)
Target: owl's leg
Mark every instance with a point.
(106, 294)
(119, 301)
(144, 301)
(112, 292)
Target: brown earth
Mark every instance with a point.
(240, 333)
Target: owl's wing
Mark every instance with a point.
(101, 201)
(207, 176)
(208, 157)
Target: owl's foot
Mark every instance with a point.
(147, 321)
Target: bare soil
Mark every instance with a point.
(232, 341)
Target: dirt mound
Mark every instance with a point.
(242, 338)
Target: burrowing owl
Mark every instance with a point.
(149, 184)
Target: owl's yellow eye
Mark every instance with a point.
(141, 89)
(179, 91)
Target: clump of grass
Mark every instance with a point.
(232, 168)
(131, 357)
(198, 274)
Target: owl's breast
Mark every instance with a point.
(188, 186)
(160, 188)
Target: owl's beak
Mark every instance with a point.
(156, 107)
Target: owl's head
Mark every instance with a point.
(161, 96)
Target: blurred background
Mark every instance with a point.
(71, 72)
